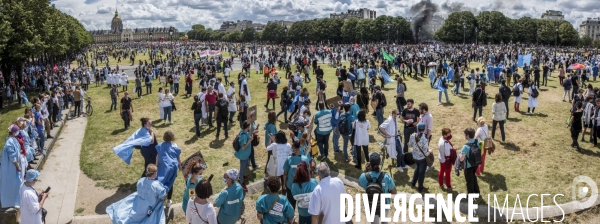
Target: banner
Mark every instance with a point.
(334, 102)
(214, 53)
(386, 56)
(203, 53)
(520, 60)
(527, 59)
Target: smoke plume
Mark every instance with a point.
(422, 13)
(451, 7)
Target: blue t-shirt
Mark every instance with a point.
(302, 195)
(354, 110)
(387, 183)
(466, 150)
(334, 120)
(243, 153)
(282, 209)
(230, 201)
(269, 129)
(323, 121)
(38, 116)
(289, 166)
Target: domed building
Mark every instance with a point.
(118, 34)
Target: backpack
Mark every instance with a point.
(344, 125)
(236, 142)
(223, 108)
(474, 154)
(516, 91)
(383, 102)
(505, 92)
(374, 187)
(147, 79)
(534, 92)
(293, 124)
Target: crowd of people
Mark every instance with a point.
(300, 153)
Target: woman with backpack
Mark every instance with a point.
(575, 123)
(285, 101)
(532, 102)
(418, 142)
(518, 93)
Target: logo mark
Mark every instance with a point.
(580, 191)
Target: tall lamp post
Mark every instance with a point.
(537, 41)
(475, 35)
(388, 34)
(171, 33)
(556, 36)
(361, 37)
(464, 31)
(151, 52)
(285, 29)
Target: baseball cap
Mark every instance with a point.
(374, 159)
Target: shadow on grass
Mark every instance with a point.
(118, 131)
(539, 115)
(496, 181)
(589, 152)
(123, 191)
(511, 146)
(107, 111)
(191, 140)
(514, 119)
(447, 104)
(283, 125)
(217, 143)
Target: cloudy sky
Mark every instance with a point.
(182, 14)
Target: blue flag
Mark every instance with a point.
(527, 59)
(141, 137)
(520, 60)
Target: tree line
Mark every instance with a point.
(35, 31)
(488, 27)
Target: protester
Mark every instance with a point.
(373, 174)
(126, 110)
(478, 101)
(575, 123)
(114, 94)
(389, 128)
(378, 103)
(168, 162)
(418, 141)
(289, 171)
(361, 137)
(445, 156)
(532, 102)
(466, 154)
(426, 118)
(323, 121)
(148, 152)
(345, 125)
(11, 170)
(442, 87)
(199, 209)
(161, 97)
(231, 199)
(245, 141)
(232, 102)
(302, 188)
(242, 110)
(32, 202)
(279, 147)
(197, 109)
(273, 208)
(325, 199)
(190, 184)
(498, 111)
(167, 105)
(143, 206)
(518, 93)
(222, 114)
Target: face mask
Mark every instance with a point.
(449, 137)
(224, 181)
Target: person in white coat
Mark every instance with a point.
(520, 96)
(245, 89)
(389, 129)
(124, 81)
(532, 102)
(161, 96)
(232, 101)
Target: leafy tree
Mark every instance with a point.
(349, 33)
(273, 32)
(524, 30)
(567, 35)
(493, 27)
(597, 43)
(585, 41)
(452, 30)
(248, 34)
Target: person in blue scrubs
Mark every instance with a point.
(168, 162)
(11, 172)
(231, 199)
(302, 189)
(273, 208)
(373, 174)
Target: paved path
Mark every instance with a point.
(61, 172)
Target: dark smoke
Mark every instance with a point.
(422, 13)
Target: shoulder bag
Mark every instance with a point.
(198, 213)
(272, 164)
(488, 144)
(428, 159)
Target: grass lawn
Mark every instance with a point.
(536, 158)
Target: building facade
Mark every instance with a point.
(553, 15)
(590, 27)
(363, 13)
(118, 34)
(282, 23)
(240, 25)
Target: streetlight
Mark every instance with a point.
(556, 36)
(464, 31)
(151, 52)
(537, 41)
(171, 33)
(285, 29)
(361, 36)
(475, 35)
(388, 34)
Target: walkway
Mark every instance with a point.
(61, 172)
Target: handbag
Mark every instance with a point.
(256, 140)
(272, 164)
(198, 213)
(428, 159)
(488, 144)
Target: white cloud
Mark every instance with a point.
(182, 14)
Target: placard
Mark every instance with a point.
(334, 102)
(252, 113)
(348, 87)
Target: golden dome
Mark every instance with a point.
(117, 23)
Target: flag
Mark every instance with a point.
(141, 137)
(386, 56)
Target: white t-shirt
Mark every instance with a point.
(165, 100)
(325, 199)
(361, 137)
(207, 212)
(482, 133)
(227, 70)
(30, 207)
(444, 149)
(232, 104)
(176, 78)
(283, 151)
